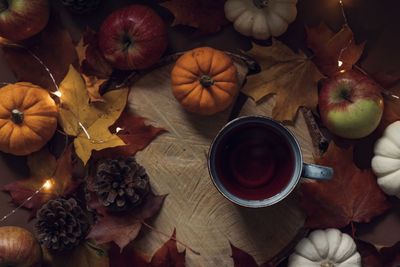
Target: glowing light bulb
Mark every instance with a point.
(57, 93)
(118, 129)
(48, 184)
(340, 63)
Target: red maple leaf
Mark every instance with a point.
(205, 15)
(134, 132)
(242, 259)
(44, 166)
(370, 256)
(166, 256)
(353, 195)
(329, 48)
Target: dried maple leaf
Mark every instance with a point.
(292, 77)
(352, 195)
(134, 132)
(95, 71)
(121, 228)
(44, 166)
(85, 255)
(166, 256)
(370, 256)
(91, 58)
(53, 46)
(205, 15)
(93, 85)
(390, 256)
(89, 122)
(242, 259)
(329, 48)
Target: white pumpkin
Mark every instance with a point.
(326, 248)
(386, 162)
(261, 19)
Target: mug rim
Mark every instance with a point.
(293, 143)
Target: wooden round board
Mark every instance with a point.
(177, 165)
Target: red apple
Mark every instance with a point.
(351, 105)
(133, 37)
(21, 19)
(19, 248)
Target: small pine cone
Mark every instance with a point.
(81, 6)
(61, 224)
(121, 183)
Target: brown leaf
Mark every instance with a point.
(391, 256)
(92, 61)
(95, 70)
(168, 255)
(134, 132)
(242, 259)
(93, 85)
(53, 46)
(292, 77)
(370, 256)
(44, 166)
(127, 258)
(330, 47)
(205, 15)
(353, 195)
(121, 228)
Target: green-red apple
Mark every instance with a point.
(21, 19)
(351, 105)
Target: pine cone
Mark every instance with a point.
(121, 183)
(80, 6)
(61, 224)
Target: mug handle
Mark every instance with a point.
(316, 172)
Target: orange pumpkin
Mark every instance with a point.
(28, 118)
(204, 81)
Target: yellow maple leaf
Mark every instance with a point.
(86, 121)
(292, 77)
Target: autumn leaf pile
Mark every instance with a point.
(93, 123)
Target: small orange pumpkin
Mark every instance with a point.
(204, 81)
(28, 118)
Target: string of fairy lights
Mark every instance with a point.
(49, 183)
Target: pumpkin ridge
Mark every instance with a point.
(185, 95)
(7, 137)
(228, 66)
(226, 91)
(201, 95)
(210, 67)
(181, 68)
(34, 132)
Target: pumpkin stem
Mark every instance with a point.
(17, 116)
(206, 81)
(327, 263)
(261, 3)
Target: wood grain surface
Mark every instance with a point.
(177, 165)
